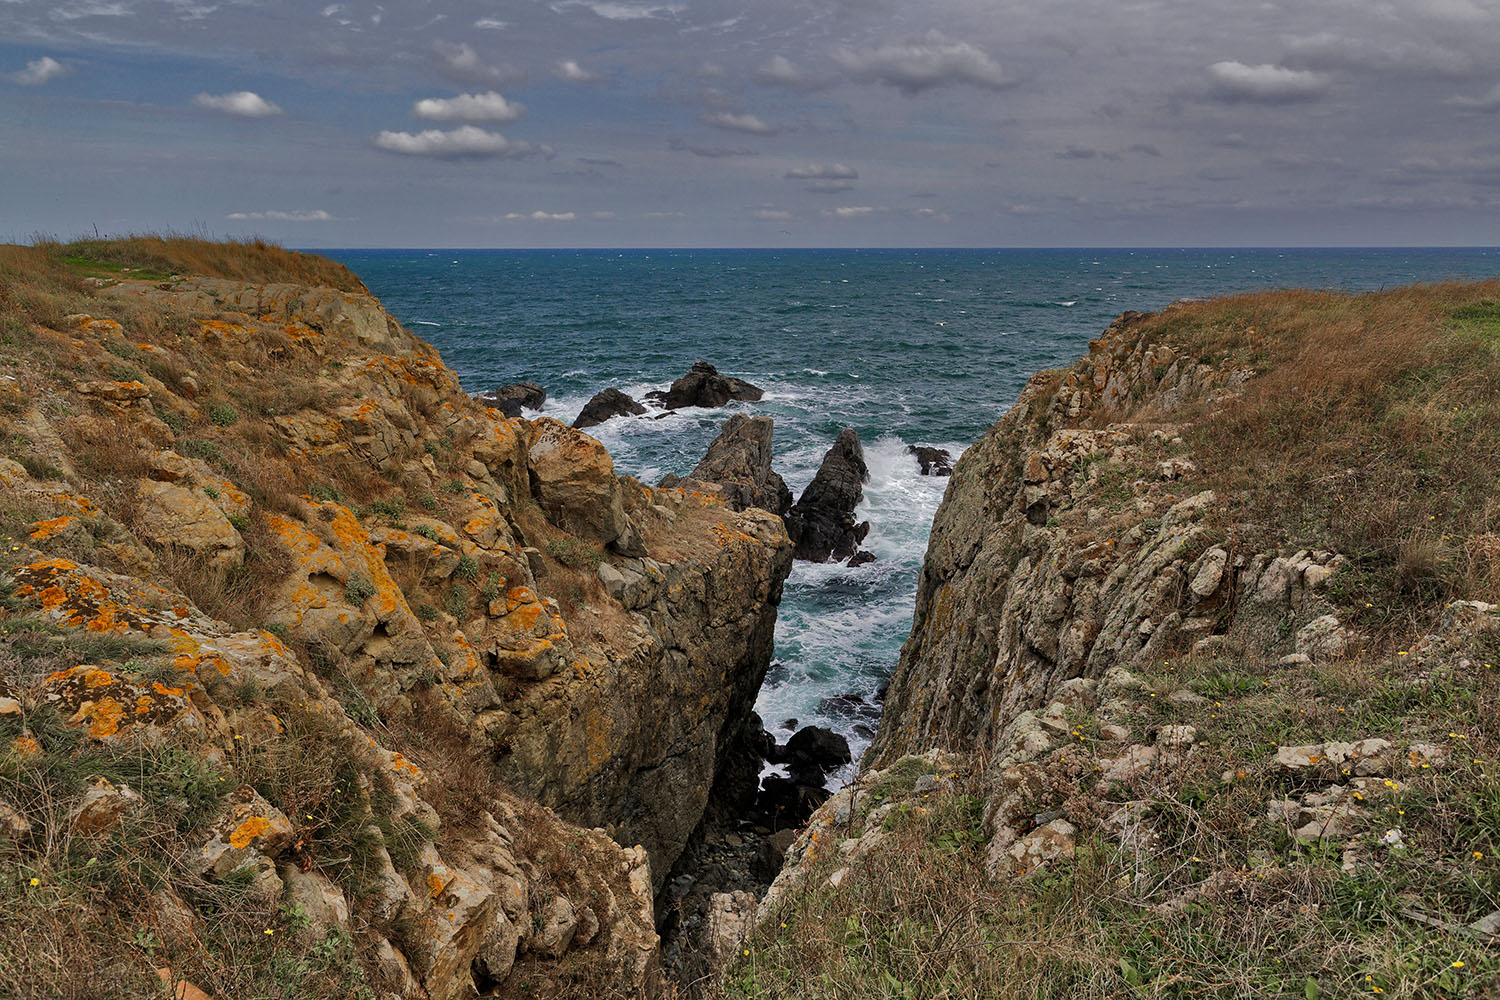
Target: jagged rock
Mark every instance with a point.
(511, 399)
(814, 752)
(1364, 758)
(116, 392)
(739, 462)
(13, 825)
(731, 916)
(172, 515)
(1324, 639)
(560, 921)
(103, 806)
(821, 522)
(860, 558)
(573, 479)
(605, 405)
(249, 831)
(319, 901)
(1050, 842)
(932, 461)
(704, 386)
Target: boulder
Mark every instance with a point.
(573, 480)
(511, 399)
(814, 752)
(933, 461)
(821, 523)
(704, 386)
(605, 405)
(739, 461)
(173, 515)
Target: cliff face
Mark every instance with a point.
(271, 529)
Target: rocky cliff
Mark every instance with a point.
(1201, 642)
(404, 651)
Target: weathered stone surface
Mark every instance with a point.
(573, 478)
(103, 806)
(248, 831)
(932, 461)
(704, 386)
(739, 462)
(605, 405)
(174, 516)
(821, 522)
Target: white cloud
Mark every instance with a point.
(772, 214)
(613, 11)
(486, 107)
(459, 61)
(491, 24)
(1488, 101)
(780, 71)
(737, 122)
(40, 71)
(89, 8)
(465, 141)
(850, 211)
(241, 104)
(568, 69)
(275, 215)
(540, 216)
(917, 64)
(825, 177)
(1266, 83)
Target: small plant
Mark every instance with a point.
(223, 414)
(39, 469)
(491, 588)
(429, 501)
(574, 554)
(427, 613)
(432, 448)
(198, 448)
(457, 602)
(212, 491)
(391, 508)
(171, 419)
(120, 349)
(467, 568)
(239, 522)
(428, 532)
(358, 590)
(325, 493)
(455, 486)
(278, 630)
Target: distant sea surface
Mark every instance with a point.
(924, 347)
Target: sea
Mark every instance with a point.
(908, 347)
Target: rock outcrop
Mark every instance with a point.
(704, 386)
(821, 522)
(738, 462)
(468, 623)
(512, 399)
(932, 461)
(606, 405)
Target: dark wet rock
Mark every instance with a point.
(790, 725)
(738, 462)
(786, 802)
(511, 399)
(861, 557)
(813, 752)
(771, 852)
(704, 386)
(605, 405)
(933, 461)
(849, 706)
(821, 522)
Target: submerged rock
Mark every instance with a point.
(821, 522)
(704, 386)
(739, 462)
(606, 405)
(512, 399)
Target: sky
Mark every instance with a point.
(768, 123)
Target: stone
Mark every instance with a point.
(814, 752)
(1176, 737)
(320, 901)
(1324, 639)
(511, 399)
(1208, 572)
(13, 824)
(573, 480)
(739, 462)
(560, 921)
(115, 392)
(932, 461)
(704, 386)
(606, 405)
(179, 517)
(821, 522)
(731, 917)
(1363, 758)
(1052, 842)
(103, 806)
(248, 830)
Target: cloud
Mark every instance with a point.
(851, 211)
(491, 24)
(710, 152)
(1487, 102)
(599, 161)
(540, 216)
(780, 71)
(459, 61)
(1076, 153)
(766, 214)
(612, 11)
(827, 178)
(568, 69)
(1266, 83)
(241, 104)
(745, 122)
(275, 215)
(40, 71)
(1145, 149)
(467, 141)
(486, 107)
(917, 64)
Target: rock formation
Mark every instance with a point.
(464, 634)
(511, 399)
(821, 522)
(605, 405)
(738, 462)
(932, 461)
(704, 386)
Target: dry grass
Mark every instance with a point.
(160, 256)
(1372, 428)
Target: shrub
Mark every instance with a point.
(467, 569)
(358, 590)
(223, 414)
(457, 602)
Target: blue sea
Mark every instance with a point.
(923, 347)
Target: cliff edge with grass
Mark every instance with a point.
(1200, 697)
(317, 678)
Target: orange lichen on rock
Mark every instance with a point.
(248, 831)
(43, 530)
